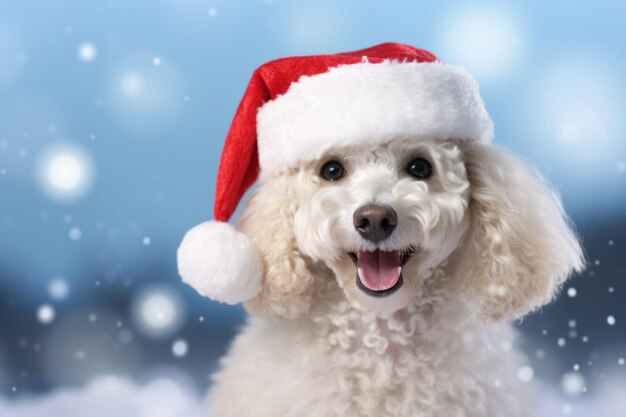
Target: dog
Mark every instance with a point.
(391, 273)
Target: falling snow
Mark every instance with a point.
(45, 314)
(573, 384)
(132, 85)
(487, 41)
(158, 312)
(179, 348)
(125, 336)
(525, 374)
(87, 52)
(75, 233)
(65, 172)
(58, 289)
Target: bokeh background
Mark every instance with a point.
(112, 118)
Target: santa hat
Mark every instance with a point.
(297, 108)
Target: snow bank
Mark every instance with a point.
(111, 396)
(119, 397)
(609, 402)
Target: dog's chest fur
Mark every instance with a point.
(433, 358)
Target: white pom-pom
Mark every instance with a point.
(220, 263)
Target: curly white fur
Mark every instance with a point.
(493, 244)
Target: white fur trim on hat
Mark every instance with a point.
(220, 263)
(369, 102)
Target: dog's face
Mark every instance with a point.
(382, 217)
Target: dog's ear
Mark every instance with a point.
(287, 278)
(520, 247)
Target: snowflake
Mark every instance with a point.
(87, 52)
(180, 348)
(75, 233)
(573, 384)
(58, 289)
(45, 313)
(525, 374)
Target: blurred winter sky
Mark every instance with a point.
(112, 119)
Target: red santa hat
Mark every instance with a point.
(297, 108)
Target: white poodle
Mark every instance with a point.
(386, 249)
(390, 274)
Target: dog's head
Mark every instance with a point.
(382, 217)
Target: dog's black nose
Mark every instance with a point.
(375, 222)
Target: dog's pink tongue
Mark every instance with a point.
(379, 270)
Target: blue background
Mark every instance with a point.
(147, 112)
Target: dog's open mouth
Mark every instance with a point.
(379, 273)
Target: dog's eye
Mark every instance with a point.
(419, 168)
(332, 171)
